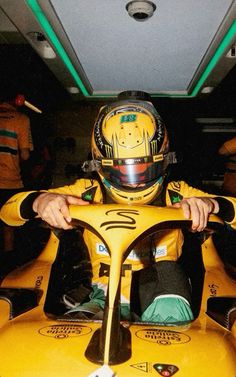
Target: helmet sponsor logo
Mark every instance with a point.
(64, 331)
(109, 151)
(162, 337)
(158, 157)
(154, 147)
(128, 118)
(107, 162)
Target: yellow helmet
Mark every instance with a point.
(130, 150)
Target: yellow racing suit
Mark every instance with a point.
(163, 246)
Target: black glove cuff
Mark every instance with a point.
(26, 208)
(226, 209)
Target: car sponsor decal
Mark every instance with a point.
(162, 337)
(64, 331)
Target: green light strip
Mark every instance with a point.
(220, 50)
(33, 4)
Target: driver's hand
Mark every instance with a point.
(198, 209)
(54, 208)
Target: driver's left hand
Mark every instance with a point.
(198, 209)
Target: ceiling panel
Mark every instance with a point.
(184, 49)
(161, 54)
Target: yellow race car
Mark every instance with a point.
(35, 343)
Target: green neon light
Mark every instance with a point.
(33, 4)
(220, 50)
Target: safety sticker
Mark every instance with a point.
(166, 370)
(145, 367)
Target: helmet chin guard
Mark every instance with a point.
(133, 196)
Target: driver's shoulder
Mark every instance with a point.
(90, 188)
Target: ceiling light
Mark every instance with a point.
(207, 89)
(73, 89)
(140, 10)
(41, 45)
(232, 52)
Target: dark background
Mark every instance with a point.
(22, 71)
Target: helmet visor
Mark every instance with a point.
(133, 170)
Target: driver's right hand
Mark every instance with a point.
(54, 208)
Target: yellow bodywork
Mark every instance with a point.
(35, 345)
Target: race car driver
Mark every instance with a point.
(131, 155)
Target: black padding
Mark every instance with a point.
(20, 299)
(162, 278)
(134, 95)
(70, 273)
(222, 310)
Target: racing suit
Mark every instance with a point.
(156, 254)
